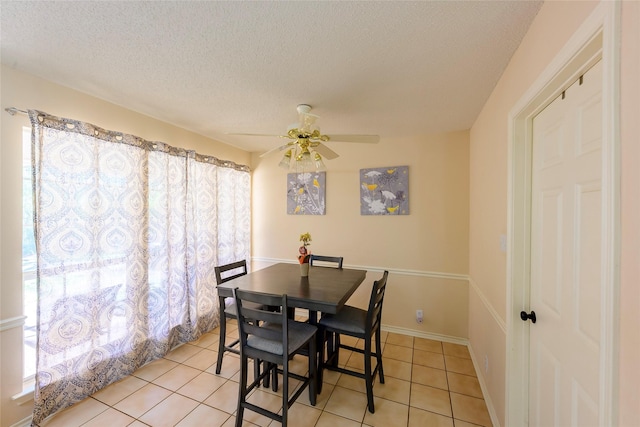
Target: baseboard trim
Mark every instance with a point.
(426, 335)
(483, 386)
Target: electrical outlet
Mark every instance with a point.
(419, 316)
(486, 363)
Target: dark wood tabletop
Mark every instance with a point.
(326, 289)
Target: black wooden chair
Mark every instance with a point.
(224, 273)
(273, 338)
(328, 261)
(324, 261)
(361, 324)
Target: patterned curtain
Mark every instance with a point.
(127, 233)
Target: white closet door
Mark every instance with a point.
(566, 258)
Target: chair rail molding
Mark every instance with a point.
(12, 322)
(488, 306)
(399, 271)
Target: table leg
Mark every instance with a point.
(313, 320)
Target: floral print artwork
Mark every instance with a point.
(306, 193)
(384, 191)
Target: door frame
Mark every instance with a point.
(597, 39)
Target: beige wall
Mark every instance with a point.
(27, 92)
(426, 252)
(630, 218)
(429, 252)
(554, 25)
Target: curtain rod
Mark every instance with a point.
(13, 111)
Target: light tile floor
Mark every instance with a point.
(427, 383)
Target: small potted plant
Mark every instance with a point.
(304, 254)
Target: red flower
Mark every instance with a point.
(304, 259)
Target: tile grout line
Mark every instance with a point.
(200, 401)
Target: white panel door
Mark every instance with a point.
(566, 258)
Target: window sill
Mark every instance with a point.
(26, 396)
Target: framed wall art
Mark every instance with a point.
(384, 191)
(306, 193)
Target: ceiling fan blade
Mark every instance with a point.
(368, 139)
(325, 151)
(280, 148)
(257, 134)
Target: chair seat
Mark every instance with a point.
(299, 333)
(349, 319)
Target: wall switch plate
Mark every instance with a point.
(503, 243)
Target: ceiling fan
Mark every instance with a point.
(305, 147)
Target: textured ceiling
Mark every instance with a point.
(387, 68)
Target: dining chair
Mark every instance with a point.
(224, 273)
(273, 339)
(358, 323)
(328, 261)
(325, 261)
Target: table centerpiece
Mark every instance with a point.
(304, 254)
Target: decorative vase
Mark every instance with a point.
(304, 269)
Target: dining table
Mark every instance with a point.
(324, 290)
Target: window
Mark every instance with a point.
(29, 295)
(127, 232)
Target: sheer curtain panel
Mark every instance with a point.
(127, 234)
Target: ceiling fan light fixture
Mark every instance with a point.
(304, 161)
(286, 160)
(319, 163)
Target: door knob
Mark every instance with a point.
(524, 316)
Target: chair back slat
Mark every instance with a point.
(250, 317)
(259, 297)
(227, 272)
(334, 261)
(374, 313)
(266, 315)
(266, 333)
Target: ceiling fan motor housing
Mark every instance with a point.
(303, 108)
